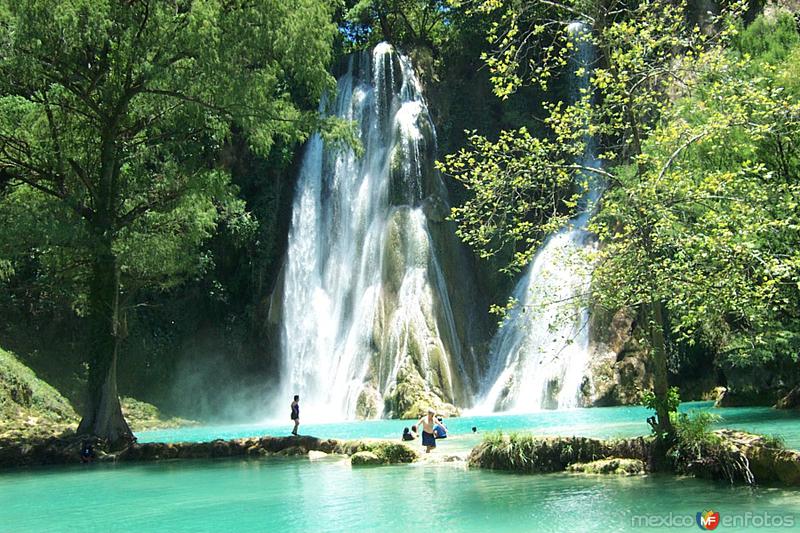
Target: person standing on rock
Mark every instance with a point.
(296, 414)
(427, 423)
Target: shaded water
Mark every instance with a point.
(291, 495)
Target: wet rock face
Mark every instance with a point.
(368, 404)
(411, 397)
(619, 366)
(790, 400)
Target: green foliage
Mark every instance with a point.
(408, 23)
(113, 120)
(768, 41)
(776, 442)
(514, 182)
(649, 399)
(23, 396)
(526, 453)
(699, 128)
(146, 94)
(695, 427)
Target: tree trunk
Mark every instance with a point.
(102, 416)
(660, 384)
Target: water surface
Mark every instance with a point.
(603, 422)
(297, 495)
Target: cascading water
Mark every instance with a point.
(539, 356)
(365, 303)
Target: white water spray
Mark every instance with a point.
(364, 297)
(539, 356)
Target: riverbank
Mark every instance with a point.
(66, 450)
(734, 456)
(738, 457)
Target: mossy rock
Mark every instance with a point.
(613, 465)
(143, 416)
(365, 459)
(386, 452)
(30, 408)
(412, 399)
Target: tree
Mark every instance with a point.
(402, 22)
(666, 246)
(112, 115)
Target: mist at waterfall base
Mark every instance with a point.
(209, 387)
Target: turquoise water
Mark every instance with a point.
(297, 495)
(288, 495)
(602, 422)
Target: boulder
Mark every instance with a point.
(365, 459)
(746, 396)
(790, 400)
(613, 465)
(315, 455)
(411, 398)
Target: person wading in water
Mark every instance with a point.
(296, 414)
(427, 423)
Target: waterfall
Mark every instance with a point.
(539, 355)
(365, 304)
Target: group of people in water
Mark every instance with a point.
(430, 426)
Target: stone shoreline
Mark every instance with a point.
(761, 463)
(55, 450)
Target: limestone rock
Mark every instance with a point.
(612, 465)
(365, 459)
(619, 365)
(315, 455)
(435, 209)
(368, 404)
(790, 400)
(411, 398)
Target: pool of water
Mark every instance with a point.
(288, 495)
(602, 422)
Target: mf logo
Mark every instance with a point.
(708, 520)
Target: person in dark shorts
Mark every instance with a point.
(427, 423)
(296, 413)
(87, 452)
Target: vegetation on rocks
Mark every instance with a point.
(144, 416)
(526, 453)
(29, 407)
